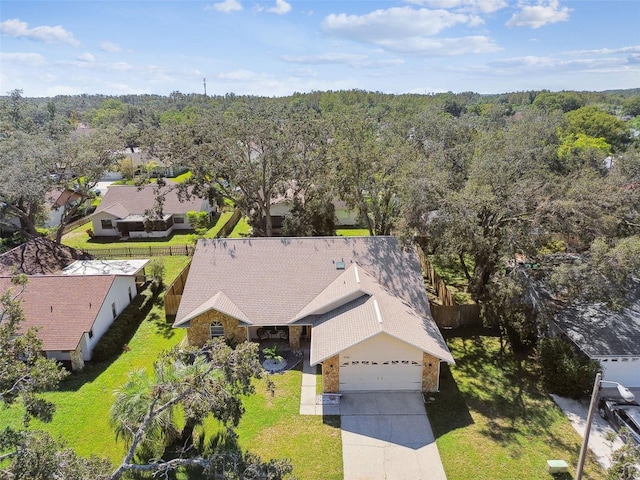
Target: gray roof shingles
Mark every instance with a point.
(39, 256)
(275, 281)
(124, 200)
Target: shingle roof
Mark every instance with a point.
(39, 256)
(277, 281)
(62, 307)
(600, 331)
(124, 200)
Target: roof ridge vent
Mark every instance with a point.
(377, 309)
(355, 269)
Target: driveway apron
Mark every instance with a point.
(387, 435)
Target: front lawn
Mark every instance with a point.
(273, 428)
(85, 398)
(493, 421)
(79, 238)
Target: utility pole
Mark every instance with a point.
(204, 80)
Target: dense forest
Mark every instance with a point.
(533, 197)
(478, 180)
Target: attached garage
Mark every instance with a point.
(624, 370)
(381, 363)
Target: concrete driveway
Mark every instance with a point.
(388, 436)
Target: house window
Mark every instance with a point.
(178, 219)
(107, 224)
(113, 310)
(216, 330)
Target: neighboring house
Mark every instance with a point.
(359, 301)
(39, 256)
(610, 337)
(122, 212)
(141, 163)
(56, 201)
(70, 297)
(282, 204)
(72, 312)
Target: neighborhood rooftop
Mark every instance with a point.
(39, 256)
(105, 267)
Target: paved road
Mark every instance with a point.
(388, 436)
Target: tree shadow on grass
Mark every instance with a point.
(506, 390)
(448, 411)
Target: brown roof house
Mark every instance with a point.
(359, 303)
(70, 297)
(122, 213)
(39, 256)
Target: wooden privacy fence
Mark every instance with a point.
(141, 252)
(173, 296)
(450, 314)
(455, 316)
(228, 227)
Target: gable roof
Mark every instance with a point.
(39, 256)
(331, 282)
(62, 307)
(124, 200)
(600, 331)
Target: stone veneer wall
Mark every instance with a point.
(294, 337)
(430, 372)
(198, 332)
(331, 375)
(77, 361)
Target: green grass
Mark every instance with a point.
(450, 270)
(85, 398)
(352, 232)
(183, 177)
(273, 428)
(242, 230)
(493, 421)
(79, 238)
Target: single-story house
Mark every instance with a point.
(39, 256)
(72, 312)
(57, 200)
(610, 337)
(122, 212)
(359, 302)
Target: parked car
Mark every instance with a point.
(622, 414)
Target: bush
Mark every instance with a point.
(565, 372)
(115, 340)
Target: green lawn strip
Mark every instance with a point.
(79, 238)
(352, 232)
(273, 428)
(492, 419)
(242, 230)
(85, 398)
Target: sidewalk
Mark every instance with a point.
(310, 401)
(576, 412)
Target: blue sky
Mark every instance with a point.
(277, 47)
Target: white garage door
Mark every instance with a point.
(622, 370)
(382, 363)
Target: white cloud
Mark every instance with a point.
(443, 47)
(397, 22)
(325, 58)
(280, 8)
(482, 6)
(28, 59)
(605, 51)
(18, 29)
(86, 57)
(536, 16)
(110, 47)
(227, 6)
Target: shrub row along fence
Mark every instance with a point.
(140, 252)
(450, 314)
